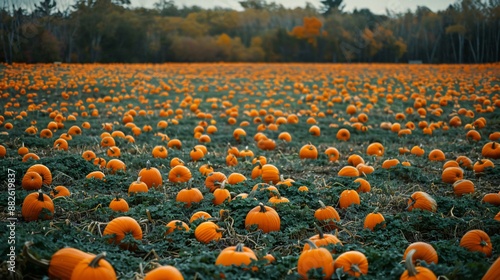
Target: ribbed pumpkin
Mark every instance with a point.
(373, 219)
(348, 171)
(34, 204)
(206, 169)
(464, 162)
(308, 151)
(322, 240)
(164, 272)
(353, 263)
(179, 174)
(266, 144)
(365, 169)
(388, 163)
(119, 205)
(98, 175)
(94, 268)
(265, 217)
(450, 163)
(375, 149)
(176, 225)
(481, 165)
(423, 252)
(120, 227)
(477, 241)
(315, 258)
(415, 273)
(332, 154)
(343, 134)
(422, 200)
(364, 186)
(347, 198)
(277, 199)
(115, 165)
(235, 178)
(221, 194)
(214, 180)
(199, 215)
(270, 174)
(452, 174)
(64, 261)
(355, 160)
(176, 161)
(436, 155)
(208, 231)
(491, 150)
(59, 191)
(493, 272)
(151, 176)
(492, 198)
(189, 195)
(137, 187)
(418, 151)
(159, 152)
(238, 255)
(462, 187)
(32, 181)
(326, 216)
(44, 171)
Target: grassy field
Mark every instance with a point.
(143, 106)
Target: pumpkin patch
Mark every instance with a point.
(386, 171)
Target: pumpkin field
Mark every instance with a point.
(250, 171)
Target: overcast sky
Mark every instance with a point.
(376, 6)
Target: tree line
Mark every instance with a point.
(467, 31)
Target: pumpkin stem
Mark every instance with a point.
(95, 261)
(493, 145)
(262, 208)
(219, 230)
(138, 180)
(375, 211)
(355, 268)
(40, 196)
(320, 231)
(412, 271)
(30, 257)
(411, 204)
(321, 204)
(483, 243)
(239, 247)
(311, 244)
(223, 184)
(148, 165)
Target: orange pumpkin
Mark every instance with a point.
(308, 151)
(348, 198)
(179, 174)
(375, 149)
(477, 240)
